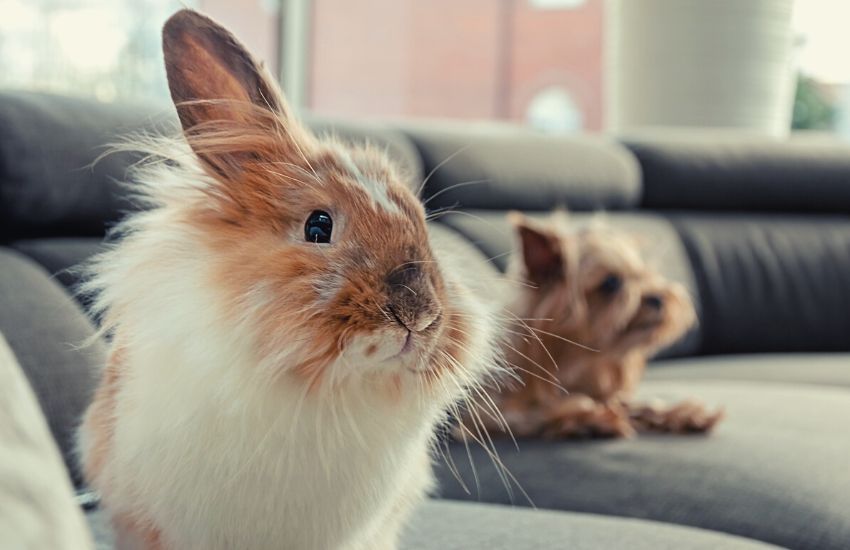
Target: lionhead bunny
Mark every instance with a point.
(594, 313)
(284, 339)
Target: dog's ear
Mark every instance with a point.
(542, 250)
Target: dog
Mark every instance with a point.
(588, 315)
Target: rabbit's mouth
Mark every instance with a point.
(408, 344)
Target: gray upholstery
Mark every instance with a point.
(37, 508)
(823, 369)
(500, 167)
(45, 329)
(775, 470)
(49, 185)
(491, 232)
(770, 283)
(443, 525)
(729, 170)
(61, 257)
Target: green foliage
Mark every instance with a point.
(812, 109)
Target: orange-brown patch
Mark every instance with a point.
(129, 529)
(99, 421)
(394, 388)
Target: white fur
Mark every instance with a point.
(210, 451)
(377, 191)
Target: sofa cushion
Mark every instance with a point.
(491, 232)
(775, 469)
(770, 283)
(824, 369)
(445, 525)
(729, 170)
(54, 181)
(62, 257)
(500, 166)
(46, 329)
(50, 183)
(37, 508)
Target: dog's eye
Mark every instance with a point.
(611, 284)
(318, 227)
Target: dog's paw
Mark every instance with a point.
(689, 416)
(579, 416)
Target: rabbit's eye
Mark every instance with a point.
(318, 227)
(611, 284)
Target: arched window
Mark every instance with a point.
(557, 4)
(553, 110)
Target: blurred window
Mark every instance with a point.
(537, 62)
(110, 49)
(557, 4)
(511, 60)
(554, 111)
(822, 100)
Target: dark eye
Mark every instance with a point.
(318, 227)
(611, 284)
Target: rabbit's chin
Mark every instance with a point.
(386, 352)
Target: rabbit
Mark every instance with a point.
(284, 340)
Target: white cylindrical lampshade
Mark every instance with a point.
(700, 63)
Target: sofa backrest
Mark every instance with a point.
(727, 170)
(56, 180)
(500, 166)
(758, 229)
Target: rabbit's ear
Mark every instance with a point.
(212, 77)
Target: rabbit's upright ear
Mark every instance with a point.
(212, 77)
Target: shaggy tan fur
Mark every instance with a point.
(593, 313)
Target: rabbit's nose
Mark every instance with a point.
(412, 299)
(415, 323)
(425, 320)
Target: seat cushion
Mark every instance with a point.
(774, 470)
(824, 369)
(445, 525)
(46, 330)
(37, 509)
(61, 257)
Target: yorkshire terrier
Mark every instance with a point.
(589, 314)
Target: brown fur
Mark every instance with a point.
(595, 313)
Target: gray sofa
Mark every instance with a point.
(758, 230)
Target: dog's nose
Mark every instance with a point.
(654, 301)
